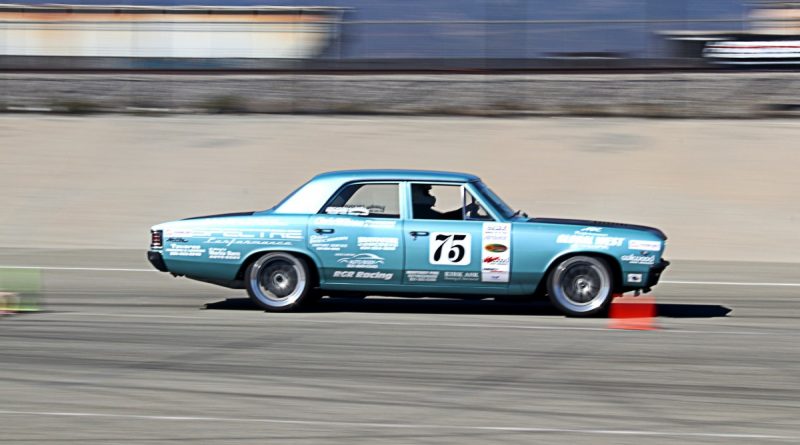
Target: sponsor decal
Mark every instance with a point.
(639, 259)
(287, 234)
(427, 276)
(246, 242)
(178, 233)
(363, 275)
(462, 276)
(360, 260)
(184, 250)
(579, 238)
(320, 239)
(636, 244)
(450, 249)
(496, 255)
(333, 243)
(353, 222)
(495, 276)
(235, 237)
(355, 211)
(496, 260)
(591, 230)
(634, 278)
(378, 243)
(216, 253)
(250, 237)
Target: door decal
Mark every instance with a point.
(450, 249)
(496, 252)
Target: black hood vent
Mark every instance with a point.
(585, 222)
(221, 215)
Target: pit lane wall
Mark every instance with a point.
(680, 95)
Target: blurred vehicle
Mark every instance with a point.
(753, 52)
(773, 38)
(409, 233)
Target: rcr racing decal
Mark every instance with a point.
(385, 276)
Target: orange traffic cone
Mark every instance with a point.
(634, 313)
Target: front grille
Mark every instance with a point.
(156, 239)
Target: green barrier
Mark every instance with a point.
(19, 290)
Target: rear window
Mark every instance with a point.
(366, 200)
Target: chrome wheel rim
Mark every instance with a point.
(278, 280)
(581, 284)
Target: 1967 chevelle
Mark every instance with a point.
(409, 233)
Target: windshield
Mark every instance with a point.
(495, 200)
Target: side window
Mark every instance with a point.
(475, 211)
(370, 200)
(432, 201)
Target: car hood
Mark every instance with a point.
(586, 222)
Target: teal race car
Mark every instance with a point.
(409, 233)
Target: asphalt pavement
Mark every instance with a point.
(122, 354)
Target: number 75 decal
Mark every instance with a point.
(451, 249)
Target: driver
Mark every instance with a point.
(423, 201)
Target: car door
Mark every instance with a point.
(357, 236)
(446, 244)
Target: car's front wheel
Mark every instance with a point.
(580, 286)
(278, 281)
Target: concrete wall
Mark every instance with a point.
(721, 189)
(732, 94)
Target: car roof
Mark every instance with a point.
(311, 196)
(397, 174)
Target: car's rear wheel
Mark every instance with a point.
(278, 281)
(580, 286)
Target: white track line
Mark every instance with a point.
(92, 269)
(730, 283)
(350, 424)
(108, 269)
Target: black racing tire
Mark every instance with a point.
(581, 286)
(278, 282)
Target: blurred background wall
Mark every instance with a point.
(578, 30)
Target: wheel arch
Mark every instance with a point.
(313, 265)
(613, 263)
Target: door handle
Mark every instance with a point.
(416, 233)
(319, 230)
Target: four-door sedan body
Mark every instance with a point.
(409, 233)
